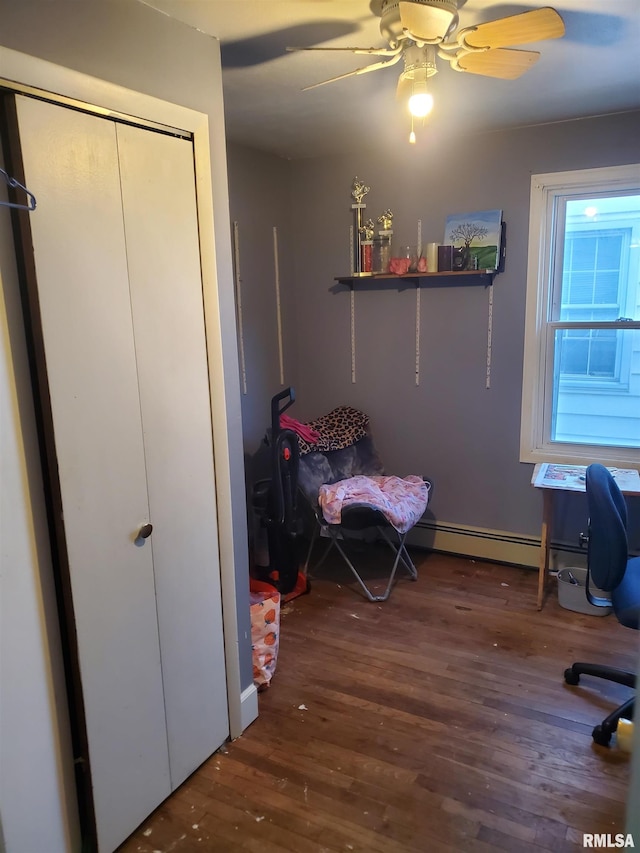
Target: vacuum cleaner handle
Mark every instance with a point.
(276, 410)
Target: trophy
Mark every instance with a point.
(358, 192)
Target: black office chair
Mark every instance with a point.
(610, 569)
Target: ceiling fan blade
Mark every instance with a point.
(504, 64)
(364, 70)
(538, 25)
(372, 51)
(429, 24)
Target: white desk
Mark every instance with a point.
(551, 478)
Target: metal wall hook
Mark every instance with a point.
(14, 184)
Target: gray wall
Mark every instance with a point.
(260, 199)
(259, 192)
(450, 427)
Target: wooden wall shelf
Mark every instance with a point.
(428, 279)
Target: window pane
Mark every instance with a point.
(592, 273)
(609, 251)
(585, 352)
(601, 258)
(596, 387)
(582, 252)
(574, 357)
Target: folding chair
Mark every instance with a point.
(352, 473)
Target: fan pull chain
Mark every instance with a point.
(238, 281)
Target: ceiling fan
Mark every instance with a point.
(419, 31)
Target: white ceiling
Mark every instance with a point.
(593, 70)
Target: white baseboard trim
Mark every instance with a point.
(498, 546)
(248, 708)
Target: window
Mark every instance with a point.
(581, 380)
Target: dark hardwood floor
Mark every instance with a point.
(436, 721)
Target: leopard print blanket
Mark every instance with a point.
(341, 428)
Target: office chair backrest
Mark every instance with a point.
(608, 548)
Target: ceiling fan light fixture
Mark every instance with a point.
(413, 88)
(420, 102)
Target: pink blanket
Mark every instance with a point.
(402, 501)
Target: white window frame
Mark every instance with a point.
(537, 378)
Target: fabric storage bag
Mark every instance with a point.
(265, 630)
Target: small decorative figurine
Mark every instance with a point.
(367, 230)
(386, 220)
(359, 190)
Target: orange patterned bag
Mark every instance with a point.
(265, 630)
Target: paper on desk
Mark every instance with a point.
(572, 477)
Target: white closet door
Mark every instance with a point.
(83, 286)
(158, 193)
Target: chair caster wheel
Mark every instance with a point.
(571, 677)
(601, 736)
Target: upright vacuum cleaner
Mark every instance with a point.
(275, 502)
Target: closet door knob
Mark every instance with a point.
(145, 531)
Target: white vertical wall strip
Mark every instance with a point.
(238, 282)
(418, 333)
(352, 307)
(489, 336)
(276, 269)
(353, 335)
(418, 252)
(352, 259)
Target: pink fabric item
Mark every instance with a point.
(399, 266)
(308, 433)
(402, 501)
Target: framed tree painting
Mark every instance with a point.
(477, 237)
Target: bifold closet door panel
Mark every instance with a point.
(158, 194)
(83, 289)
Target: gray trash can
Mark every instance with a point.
(573, 596)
